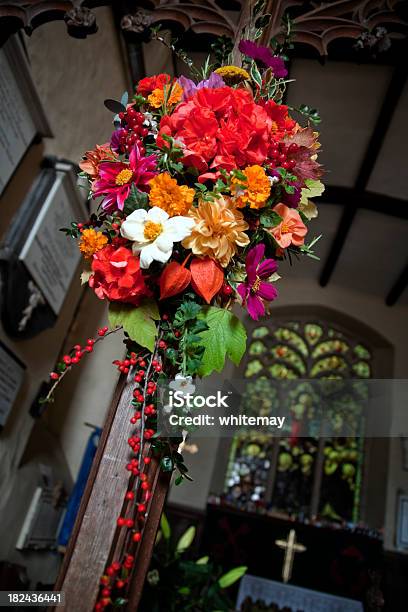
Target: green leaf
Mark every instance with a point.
(202, 560)
(232, 576)
(165, 527)
(184, 590)
(226, 336)
(270, 218)
(186, 539)
(137, 321)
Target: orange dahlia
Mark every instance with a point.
(255, 190)
(91, 242)
(218, 231)
(167, 194)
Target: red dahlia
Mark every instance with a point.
(117, 275)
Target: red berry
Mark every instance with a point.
(146, 460)
(121, 522)
(141, 508)
(75, 360)
(54, 376)
(110, 571)
(144, 486)
(293, 148)
(129, 522)
(120, 584)
(130, 495)
(105, 592)
(66, 359)
(137, 537)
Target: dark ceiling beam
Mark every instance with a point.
(376, 202)
(398, 288)
(384, 119)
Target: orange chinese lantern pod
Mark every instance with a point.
(174, 279)
(207, 277)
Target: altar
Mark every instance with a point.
(321, 563)
(258, 593)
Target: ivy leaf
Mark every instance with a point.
(167, 464)
(256, 75)
(232, 576)
(270, 218)
(137, 321)
(186, 539)
(186, 312)
(225, 337)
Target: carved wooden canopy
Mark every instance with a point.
(316, 24)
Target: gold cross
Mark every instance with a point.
(290, 547)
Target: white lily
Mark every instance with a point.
(153, 233)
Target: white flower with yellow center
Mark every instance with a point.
(153, 233)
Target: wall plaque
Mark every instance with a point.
(21, 115)
(48, 255)
(38, 262)
(11, 379)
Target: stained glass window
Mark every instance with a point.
(304, 475)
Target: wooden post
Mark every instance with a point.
(96, 539)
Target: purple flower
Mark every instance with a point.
(263, 54)
(189, 87)
(255, 290)
(115, 139)
(290, 199)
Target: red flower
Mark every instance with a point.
(282, 123)
(148, 84)
(117, 276)
(220, 127)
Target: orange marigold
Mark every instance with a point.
(91, 242)
(257, 187)
(167, 194)
(219, 230)
(169, 93)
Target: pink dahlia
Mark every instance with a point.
(116, 178)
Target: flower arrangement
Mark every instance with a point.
(204, 187)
